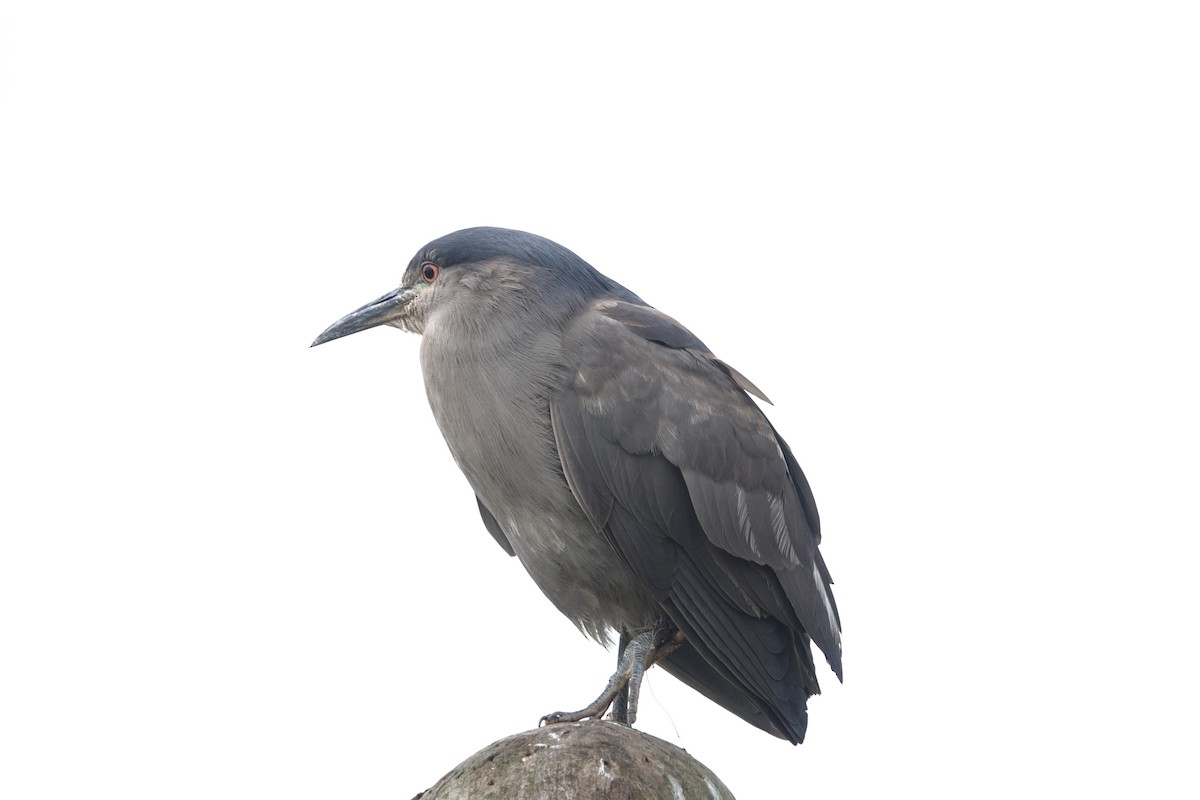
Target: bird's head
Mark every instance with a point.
(479, 276)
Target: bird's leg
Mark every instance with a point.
(620, 707)
(666, 640)
(638, 654)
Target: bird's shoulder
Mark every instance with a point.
(649, 385)
(609, 323)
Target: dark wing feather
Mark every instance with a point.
(655, 326)
(685, 476)
(489, 522)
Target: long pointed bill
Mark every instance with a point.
(386, 309)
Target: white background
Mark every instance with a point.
(955, 244)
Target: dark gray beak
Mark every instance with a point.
(386, 309)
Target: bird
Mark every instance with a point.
(627, 468)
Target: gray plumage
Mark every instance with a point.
(623, 464)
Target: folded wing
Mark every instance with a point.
(680, 469)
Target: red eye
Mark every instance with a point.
(430, 272)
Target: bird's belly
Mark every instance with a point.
(578, 570)
(501, 438)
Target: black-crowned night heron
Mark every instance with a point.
(626, 467)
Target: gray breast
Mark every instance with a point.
(492, 404)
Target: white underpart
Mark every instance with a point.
(833, 626)
(676, 788)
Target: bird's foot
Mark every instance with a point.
(638, 654)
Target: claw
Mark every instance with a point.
(637, 655)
